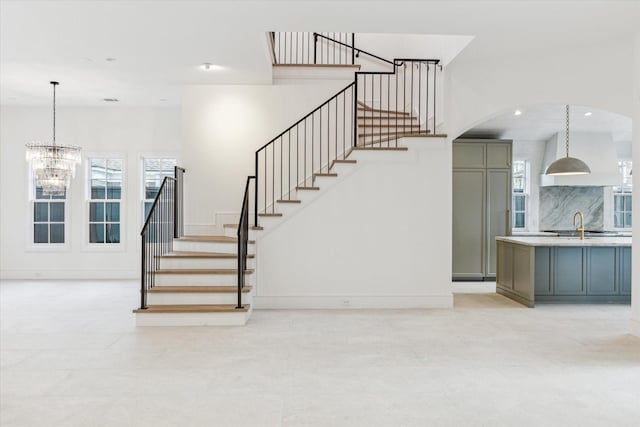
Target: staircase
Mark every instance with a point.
(210, 280)
(196, 284)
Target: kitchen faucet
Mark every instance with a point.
(581, 228)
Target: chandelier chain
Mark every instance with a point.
(567, 133)
(54, 112)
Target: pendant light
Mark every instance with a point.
(53, 165)
(568, 165)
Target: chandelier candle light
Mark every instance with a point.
(53, 165)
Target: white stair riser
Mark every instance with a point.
(200, 279)
(307, 195)
(193, 319)
(222, 247)
(288, 208)
(179, 298)
(325, 181)
(269, 221)
(199, 263)
(342, 168)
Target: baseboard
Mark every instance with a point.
(473, 287)
(354, 302)
(93, 274)
(634, 327)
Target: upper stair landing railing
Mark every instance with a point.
(309, 48)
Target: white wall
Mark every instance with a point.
(127, 132)
(635, 288)
(377, 237)
(223, 127)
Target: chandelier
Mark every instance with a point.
(53, 165)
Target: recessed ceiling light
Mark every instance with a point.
(111, 100)
(588, 114)
(517, 113)
(207, 66)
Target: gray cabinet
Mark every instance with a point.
(481, 205)
(468, 215)
(570, 274)
(601, 271)
(568, 271)
(625, 271)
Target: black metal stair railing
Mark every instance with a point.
(163, 224)
(401, 102)
(374, 111)
(306, 149)
(243, 239)
(309, 48)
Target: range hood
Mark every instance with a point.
(596, 149)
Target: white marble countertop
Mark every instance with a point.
(566, 241)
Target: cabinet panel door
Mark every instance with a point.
(505, 274)
(568, 272)
(522, 271)
(625, 271)
(469, 155)
(468, 222)
(543, 271)
(601, 271)
(498, 213)
(499, 156)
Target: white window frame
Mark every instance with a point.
(120, 246)
(143, 181)
(525, 193)
(45, 247)
(622, 190)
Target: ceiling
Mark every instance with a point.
(540, 122)
(156, 46)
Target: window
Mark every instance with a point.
(105, 181)
(48, 217)
(519, 194)
(622, 211)
(154, 170)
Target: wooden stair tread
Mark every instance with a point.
(360, 148)
(307, 188)
(252, 227)
(198, 289)
(345, 161)
(388, 125)
(377, 110)
(201, 271)
(195, 254)
(218, 239)
(397, 118)
(394, 134)
(289, 201)
(270, 214)
(325, 174)
(392, 137)
(193, 308)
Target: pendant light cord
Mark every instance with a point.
(567, 133)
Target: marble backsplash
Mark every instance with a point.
(558, 204)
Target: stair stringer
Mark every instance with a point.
(362, 241)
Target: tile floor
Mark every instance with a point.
(71, 356)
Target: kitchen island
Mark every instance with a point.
(564, 269)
